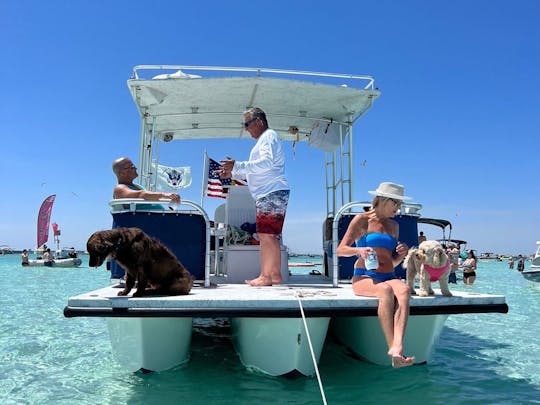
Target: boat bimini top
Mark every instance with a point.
(178, 102)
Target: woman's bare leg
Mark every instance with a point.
(393, 312)
(402, 293)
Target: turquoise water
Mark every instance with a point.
(46, 358)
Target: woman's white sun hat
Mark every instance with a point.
(390, 190)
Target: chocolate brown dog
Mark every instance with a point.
(145, 260)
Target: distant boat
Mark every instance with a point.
(489, 256)
(445, 240)
(301, 264)
(61, 257)
(535, 264)
(533, 274)
(5, 250)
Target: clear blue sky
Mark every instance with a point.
(457, 122)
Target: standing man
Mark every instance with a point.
(265, 174)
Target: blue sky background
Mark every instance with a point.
(457, 122)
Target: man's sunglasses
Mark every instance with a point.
(248, 123)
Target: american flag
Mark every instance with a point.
(218, 187)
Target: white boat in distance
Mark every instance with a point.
(279, 329)
(489, 256)
(533, 273)
(61, 258)
(6, 250)
(535, 263)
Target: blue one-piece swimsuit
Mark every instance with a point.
(376, 240)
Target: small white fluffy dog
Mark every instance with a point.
(431, 263)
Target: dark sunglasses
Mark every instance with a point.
(248, 123)
(396, 202)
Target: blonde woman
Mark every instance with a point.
(375, 231)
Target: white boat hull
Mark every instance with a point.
(535, 263)
(278, 346)
(154, 333)
(71, 262)
(364, 337)
(532, 275)
(152, 344)
(301, 264)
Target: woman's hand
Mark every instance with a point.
(363, 252)
(402, 249)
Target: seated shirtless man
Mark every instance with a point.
(126, 172)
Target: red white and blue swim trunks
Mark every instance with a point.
(271, 211)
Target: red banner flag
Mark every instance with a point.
(43, 220)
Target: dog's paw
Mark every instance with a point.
(423, 293)
(122, 293)
(446, 293)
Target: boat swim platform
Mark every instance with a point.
(278, 301)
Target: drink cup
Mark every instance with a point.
(372, 263)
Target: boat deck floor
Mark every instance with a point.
(316, 296)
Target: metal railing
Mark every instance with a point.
(258, 71)
(406, 209)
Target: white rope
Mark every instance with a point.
(297, 295)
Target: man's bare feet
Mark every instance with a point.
(260, 281)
